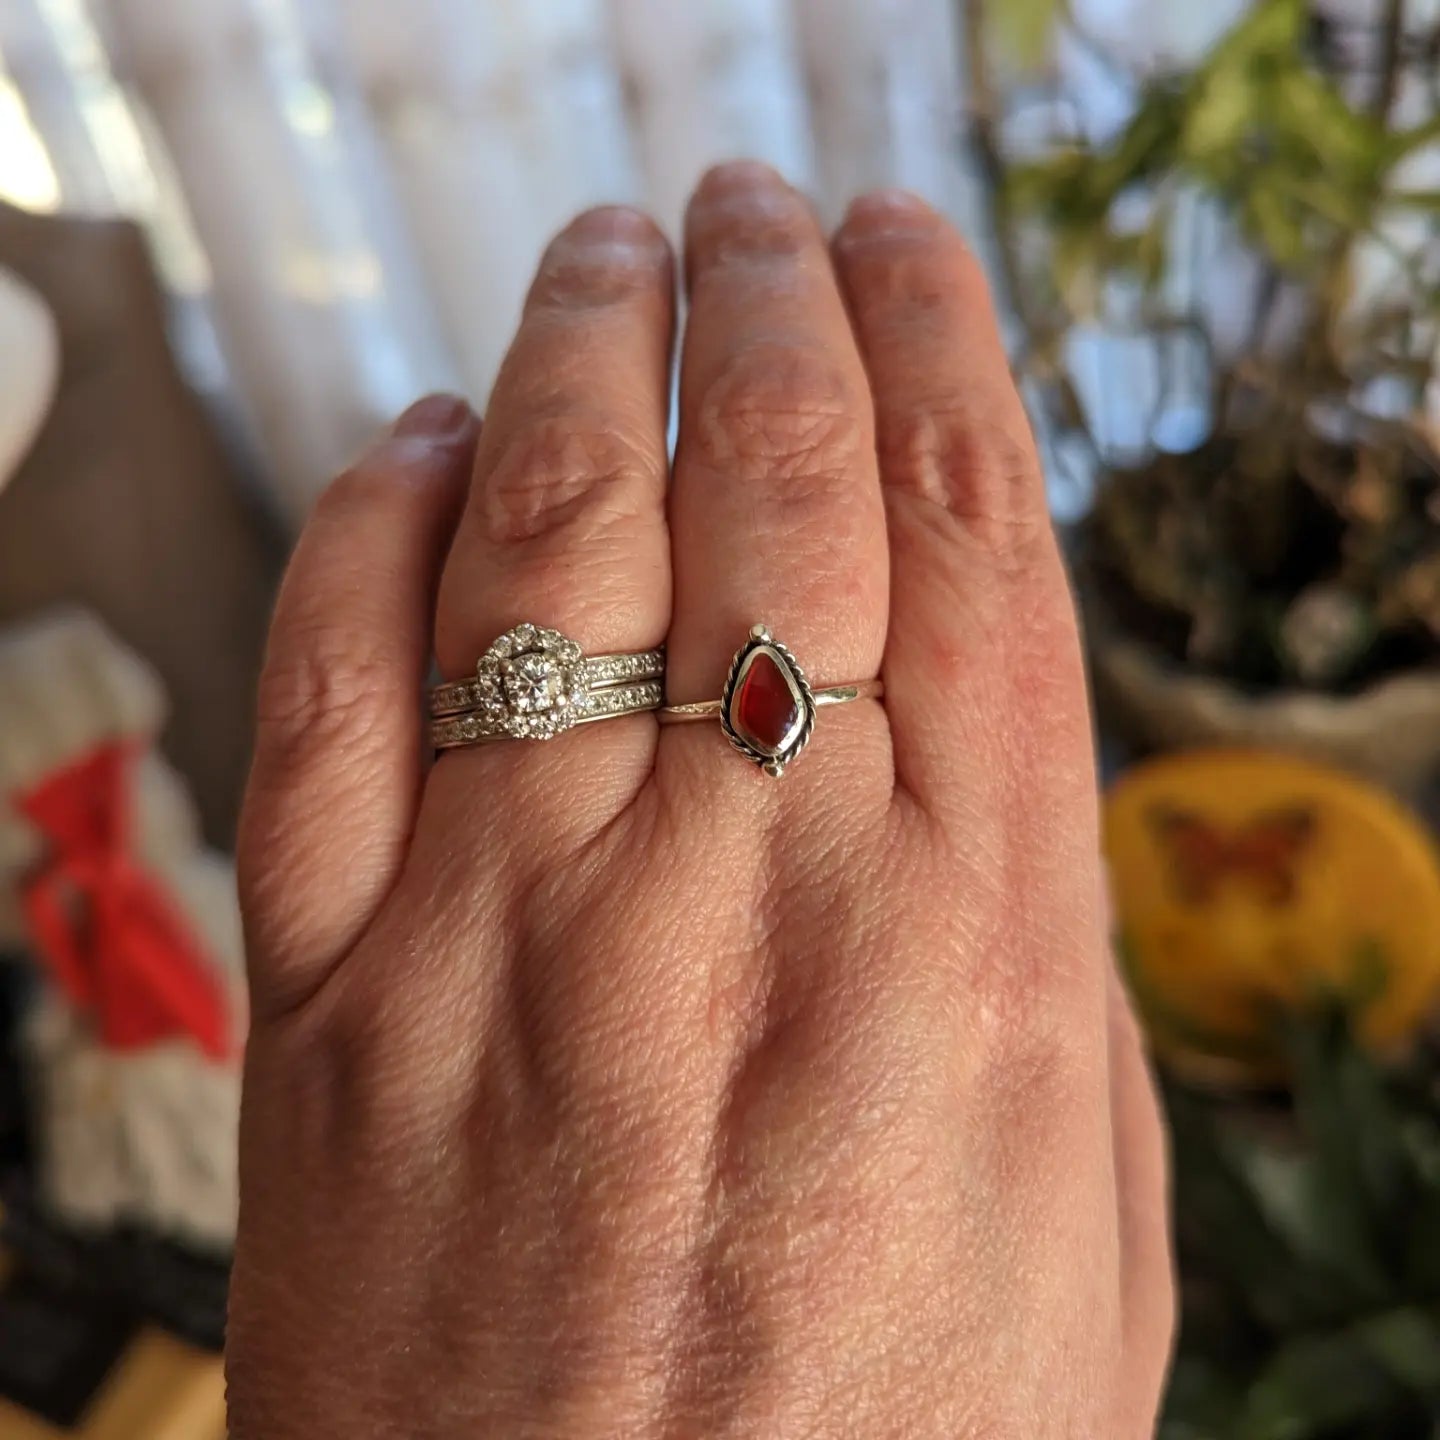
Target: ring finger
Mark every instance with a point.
(776, 511)
(565, 521)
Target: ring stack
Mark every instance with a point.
(534, 683)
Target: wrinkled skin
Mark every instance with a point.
(607, 1087)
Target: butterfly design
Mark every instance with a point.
(1263, 852)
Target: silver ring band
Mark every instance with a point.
(600, 671)
(828, 695)
(455, 731)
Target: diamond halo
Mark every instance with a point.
(531, 684)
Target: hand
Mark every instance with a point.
(605, 1086)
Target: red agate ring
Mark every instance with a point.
(768, 709)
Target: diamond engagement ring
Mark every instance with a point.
(768, 709)
(534, 684)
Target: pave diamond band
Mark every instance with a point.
(600, 671)
(534, 683)
(474, 729)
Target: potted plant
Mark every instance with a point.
(1277, 582)
(1308, 1238)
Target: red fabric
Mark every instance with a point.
(111, 937)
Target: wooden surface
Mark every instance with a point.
(161, 1390)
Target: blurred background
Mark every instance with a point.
(237, 236)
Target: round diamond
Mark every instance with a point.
(534, 682)
(489, 694)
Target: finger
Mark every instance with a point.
(338, 757)
(776, 514)
(983, 678)
(1142, 1187)
(565, 522)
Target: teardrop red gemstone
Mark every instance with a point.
(765, 707)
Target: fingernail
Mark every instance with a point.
(611, 230)
(614, 224)
(734, 176)
(885, 212)
(439, 417)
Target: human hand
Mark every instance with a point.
(606, 1086)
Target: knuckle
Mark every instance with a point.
(327, 1073)
(1028, 985)
(1032, 1072)
(316, 687)
(1039, 674)
(782, 413)
(982, 470)
(561, 474)
(349, 1066)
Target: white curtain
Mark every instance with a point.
(346, 197)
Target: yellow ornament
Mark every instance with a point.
(1245, 882)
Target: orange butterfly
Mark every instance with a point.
(1263, 852)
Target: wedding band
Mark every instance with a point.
(600, 671)
(768, 709)
(534, 683)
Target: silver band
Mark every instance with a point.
(828, 695)
(456, 731)
(600, 671)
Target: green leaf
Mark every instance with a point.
(1020, 30)
(1351, 1121)
(1314, 115)
(1150, 252)
(1201, 1401)
(1335, 1333)
(1406, 1343)
(1400, 143)
(1073, 274)
(1227, 1228)
(1272, 222)
(1317, 1385)
(1323, 1229)
(1271, 27)
(1346, 209)
(1222, 110)
(1420, 1258)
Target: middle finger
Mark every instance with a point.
(776, 508)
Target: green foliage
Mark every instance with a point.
(1309, 1240)
(1257, 127)
(1279, 552)
(1020, 31)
